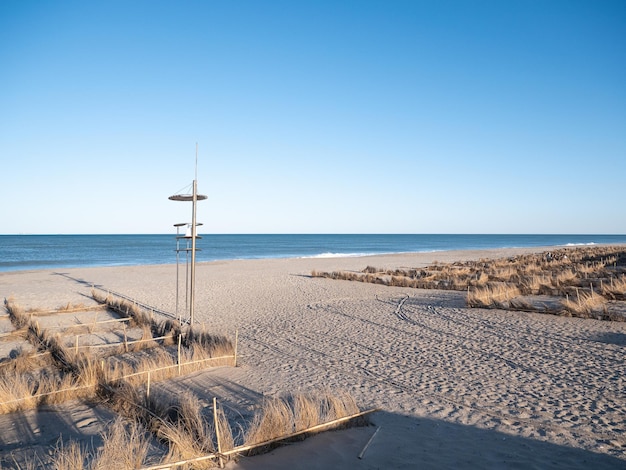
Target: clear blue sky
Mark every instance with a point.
(314, 116)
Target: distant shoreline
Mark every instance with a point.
(29, 252)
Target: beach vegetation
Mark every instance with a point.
(511, 282)
(55, 371)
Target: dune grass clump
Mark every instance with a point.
(493, 296)
(179, 422)
(275, 419)
(70, 456)
(281, 417)
(51, 375)
(208, 345)
(23, 361)
(17, 392)
(17, 314)
(614, 289)
(125, 446)
(556, 273)
(585, 305)
(124, 307)
(187, 433)
(198, 344)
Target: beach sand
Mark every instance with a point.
(457, 387)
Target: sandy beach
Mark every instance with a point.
(457, 387)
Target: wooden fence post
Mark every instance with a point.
(217, 431)
(236, 343)
(180, 337)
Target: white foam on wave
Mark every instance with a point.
(358, 255)
(580, 244)
(340, 255)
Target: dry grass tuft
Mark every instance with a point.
(211, 345)
(305, 412)
(70, 456)
(615, 288)
(17, 314)
(17, 392)
(226, 435)
(188, 434)
(492, 296)
(275, 419)
(23, 361)
(585, 305)
(125, 447)
(139, 316)
(280, 417)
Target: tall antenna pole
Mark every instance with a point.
(193, 241)
(194, 198)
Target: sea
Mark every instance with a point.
(28, 252)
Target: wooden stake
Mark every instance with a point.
(180, 337)
(76, 345)
(148, 386)
(217, 432)
(236, 342)
(368, 443)
(238, 450)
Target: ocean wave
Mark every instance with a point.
(340, 255)
(581, 244)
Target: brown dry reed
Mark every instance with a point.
(125, 446)
(283, 416)
(17, 313)
(559, 273)
(493, 296)
(584, 305)
(77, 374)
(188, 434)
(70, 456)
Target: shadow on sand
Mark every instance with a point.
(406, 442)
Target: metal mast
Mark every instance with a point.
(194, 197)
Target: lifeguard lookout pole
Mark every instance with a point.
(194, 197)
